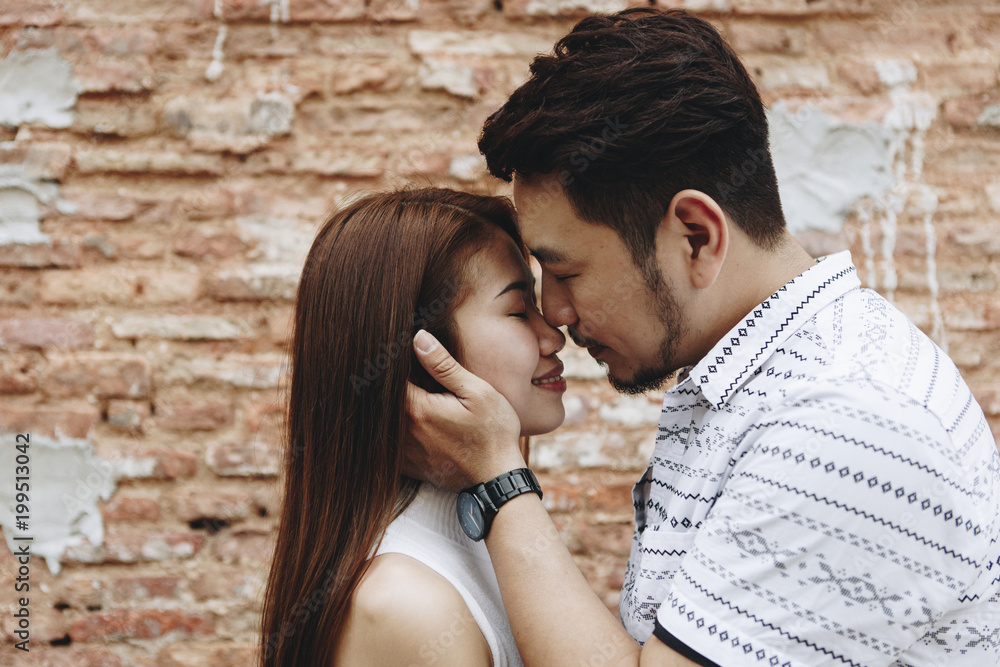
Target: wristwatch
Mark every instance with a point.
(477, 505)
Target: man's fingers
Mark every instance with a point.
(441, 365)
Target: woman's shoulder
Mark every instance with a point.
(402, 609)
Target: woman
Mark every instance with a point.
(370, 567)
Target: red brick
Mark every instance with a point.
(52, 421)
(46, 332)
(765, 38)
(131, 508)
(139, 12)
(860, 75)
(46, 161)
(19, 372)
(279, 325)
(137, 548)
(839, 37)
(265, 417)
(976, 238)
(184, 41)
(960, 76)
(30, 13)
(245, 547)
(18, 287)
(201, 245)
(139, 624)
(122, 42)
(61, 254)
(114, 75)
(128, 117)
(119, 285)
(988, 399)
(46, 623)
(964, 112)
(77, 656)
(80, 592)
(246, 10)
(561, 497)
(613, 538)
(801, 7)
(127, 416)
(972, 313)
(91, 205)
(225, 506)
(213, 655)
(229, 585)
(129, 589)
(110, 160)
(161, 464)
(395, 10)
(378, 76)
(523, 9)
(102, 374)
(326, 11)
(615, 497)
(193, 416)
(253, 284)
(252, 460)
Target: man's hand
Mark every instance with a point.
(460, 438)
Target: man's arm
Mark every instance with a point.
(555, 616)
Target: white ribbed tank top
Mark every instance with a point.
(428, 531)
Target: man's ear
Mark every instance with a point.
(700, 226)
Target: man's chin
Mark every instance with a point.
(641, 381)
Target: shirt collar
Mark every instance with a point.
(747, 345)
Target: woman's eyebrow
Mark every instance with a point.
(518, 285)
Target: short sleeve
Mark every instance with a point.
(842, 537)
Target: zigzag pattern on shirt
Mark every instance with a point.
(867, 515)
(777, 332)
(861, 443)
(664, 552)
(813, 645)
(880, 420)
(686, 496)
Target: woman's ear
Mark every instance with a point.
(698, 230)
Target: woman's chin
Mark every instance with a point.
(543, 426)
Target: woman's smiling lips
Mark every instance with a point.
(551, 381)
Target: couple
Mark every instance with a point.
(823, 490)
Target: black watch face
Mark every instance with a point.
(470, 516)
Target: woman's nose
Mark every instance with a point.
(550, 339)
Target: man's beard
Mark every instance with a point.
(668, 312)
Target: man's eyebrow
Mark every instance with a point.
(548, 255)
(517, 285)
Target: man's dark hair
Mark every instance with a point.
(630, 110)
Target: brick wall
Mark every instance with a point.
(165, 163)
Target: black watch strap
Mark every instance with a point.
(502, 488)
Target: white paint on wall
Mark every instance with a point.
(36, 86)
(826, 166)
(20, 196)
(217, 66)
(828, 169)
(67, 480)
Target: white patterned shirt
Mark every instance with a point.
(824, 490)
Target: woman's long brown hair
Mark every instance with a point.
(378, 271)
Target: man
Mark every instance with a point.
(823, 490)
